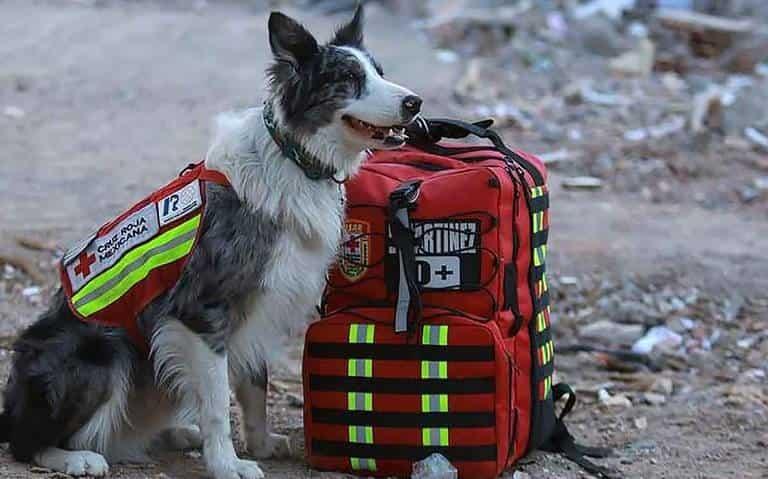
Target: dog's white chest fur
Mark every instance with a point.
(311, 217)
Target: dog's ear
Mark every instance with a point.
(290, 41)
(351, 34)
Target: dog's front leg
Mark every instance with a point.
(252, 395)
(203, 372)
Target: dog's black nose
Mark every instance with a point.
(412, 105)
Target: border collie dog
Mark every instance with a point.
(80, 395)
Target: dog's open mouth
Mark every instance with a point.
(390, 135)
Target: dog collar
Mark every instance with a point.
(313, 168)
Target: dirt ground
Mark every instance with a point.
(110, 99)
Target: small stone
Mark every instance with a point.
(294, 400)
(748, 194)
(612, 333)
(641, 423)
(30, 291)
(658, 336)
(618, 400)
(637, 62)
(654, 399)
(447, 56)
(559, 156)
(757, 137)
(521, 475)
(673, 82)
(663, 386)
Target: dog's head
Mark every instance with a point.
(336, 91)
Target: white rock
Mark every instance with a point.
(657, 336)
(30, 291)
(637, 62)
(559, 156)
(447, 56)
(757, 137)
(611, 8)
(14, 112)
(641, 423)
(618, 400)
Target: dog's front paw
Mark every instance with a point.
(85, 463)
(239, 469)
(273, 446)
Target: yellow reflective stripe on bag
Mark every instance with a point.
(361, 401)
(431, 403)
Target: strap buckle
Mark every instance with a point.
(405, 194)
(408, 294)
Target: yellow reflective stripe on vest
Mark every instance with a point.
(430, 403)
(113, 283)
(360, 401)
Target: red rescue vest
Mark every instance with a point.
(111, 276)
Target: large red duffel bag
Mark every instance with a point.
(435, 335)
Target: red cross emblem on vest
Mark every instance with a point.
(84, 262)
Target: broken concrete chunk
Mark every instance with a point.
(757, 137)
(617, 400)
(707, 110)
(637, 62)
(608, 332)
(709, 36)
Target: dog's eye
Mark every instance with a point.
(350, 76)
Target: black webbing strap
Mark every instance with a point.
(432, 130)
(408, 293)
(564, 443)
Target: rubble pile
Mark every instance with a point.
(647, 331)
(653, 98)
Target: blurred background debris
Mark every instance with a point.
(652, 116)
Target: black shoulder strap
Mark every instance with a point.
(564, 443)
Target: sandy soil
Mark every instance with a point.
(118, 98)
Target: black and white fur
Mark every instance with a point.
(80, 396)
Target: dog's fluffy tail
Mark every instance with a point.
(5, 427)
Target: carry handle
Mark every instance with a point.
(430, 131)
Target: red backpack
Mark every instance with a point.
(435, 332)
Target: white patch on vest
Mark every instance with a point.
(84, 264)
(179, 203)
